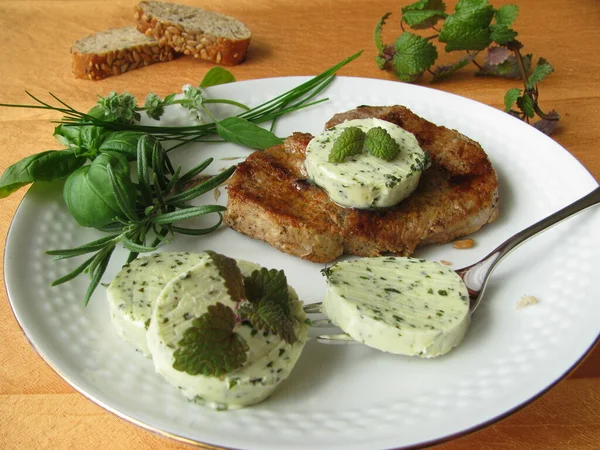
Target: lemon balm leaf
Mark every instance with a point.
(541, 71)
(349, 143)
(445, 70)
(424, 13)
(230, 272)
(269, 305)
(468, 28)
(379, 143)
(378, 29)
(510, 98)
(414, 54)
(211, 347)
(525, 104)
(502, 35)
(506, 15)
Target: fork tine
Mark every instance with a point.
(313, 308)
(336, 339)
(322, 323)
(339, 339)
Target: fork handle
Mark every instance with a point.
(476, 276)
(577, 206)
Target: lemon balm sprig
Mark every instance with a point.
(475, 26)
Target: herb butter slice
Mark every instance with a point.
(135, 288)
(399, 305)
(203, 344)
(362, 179)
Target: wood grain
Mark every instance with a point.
(38, 409)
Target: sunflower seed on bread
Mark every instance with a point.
(193, 31)
(116, 51)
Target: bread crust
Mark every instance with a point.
(191, 42)
(271, 200)
(100, 65)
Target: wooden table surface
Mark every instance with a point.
(40, 410)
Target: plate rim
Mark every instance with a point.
(568, 370)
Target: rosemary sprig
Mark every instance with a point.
(160, 204)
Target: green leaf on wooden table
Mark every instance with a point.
(215, 76)
(541, 71)
(506, 15)
(378, 29)
(510, 98)
(414, 54)
(469, 27)
(424, 13)
(525, 103)
(445, 70)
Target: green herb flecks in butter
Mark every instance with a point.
(400, 305)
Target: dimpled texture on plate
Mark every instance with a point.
(344, 397)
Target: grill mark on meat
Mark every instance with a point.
(269, 199)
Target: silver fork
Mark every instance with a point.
(477, 275)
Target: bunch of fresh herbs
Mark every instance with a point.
(475, 26)
(107, 149)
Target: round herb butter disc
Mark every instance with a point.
(202, 345)
(134, 289)
(363, 179)
(399, 305)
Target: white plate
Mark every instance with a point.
(346, 397)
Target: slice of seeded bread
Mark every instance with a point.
(116, 51)
(193, 31)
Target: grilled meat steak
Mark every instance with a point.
(271, 200)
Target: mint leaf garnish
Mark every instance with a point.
(211, 347)
(269, 305)
(468, 28)
(424, 13)
(414, 54)
(379, 143)
(349, 143)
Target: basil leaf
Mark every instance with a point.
(90, 139)
(217, 75)
(122, 142)
(45, 166)
(242, 132)
(89, 195)
(67, 135)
